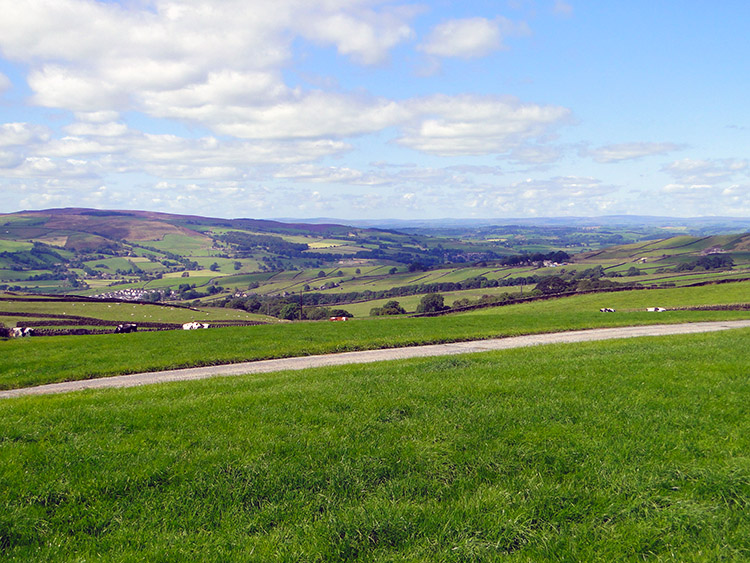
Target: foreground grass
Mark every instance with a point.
(28, 362)
(631, 450)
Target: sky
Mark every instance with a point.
(370, 109)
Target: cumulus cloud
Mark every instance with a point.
(473, 125)
(296, 115)
(365, 35)
(469, 38)
(99, 56)
(630, 151)
(222, 69)
(112, 148)
(19, 134)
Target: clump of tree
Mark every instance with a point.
(556, 284)
(272, 244)
(390, 308)
(431, 303)
(711, 262)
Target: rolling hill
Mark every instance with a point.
(262, 266)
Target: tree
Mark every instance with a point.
(340, 313)
(416, 267)
(390, 308)
(214, 267)
(290, 311)
(431, 303)
(393, 270)
(552, 284)
(237, 265)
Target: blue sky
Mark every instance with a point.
(368, 109)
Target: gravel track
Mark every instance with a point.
(367, 356)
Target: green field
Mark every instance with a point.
(44, 360)
(283, 258)
(616, 451)
(19, 313)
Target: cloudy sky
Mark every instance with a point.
(376, 108)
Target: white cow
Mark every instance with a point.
(655, 309)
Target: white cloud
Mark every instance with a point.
(331, 174)
(472, 125)
(690, 171)
(366, 36)
(222, 68)
(296, 115)
(19, 134)
(97, 129)
(469, 38)
(92, 56)
(630, 151)
(710, 186)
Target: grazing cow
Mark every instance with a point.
(125, 328)
(655, 309)
(194, 326)
(606, 310)
(338, 318)
(21, 332)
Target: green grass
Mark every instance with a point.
(612, 451)
(14, 246)
(116, 312)
(182, 244)
(44, 360)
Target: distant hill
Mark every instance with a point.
(87, 247)
(692, 225)
(255, 263)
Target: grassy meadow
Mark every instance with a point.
(18, 313)
(632, 450)
(51, 359)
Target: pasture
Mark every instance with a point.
(52, 359)
(610, 451)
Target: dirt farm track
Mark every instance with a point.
(266, 366)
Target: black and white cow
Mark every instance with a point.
(125, 328)
(194, 326)
(21, 332)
